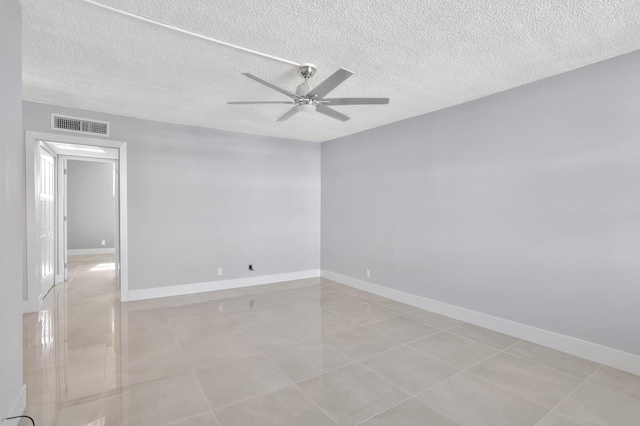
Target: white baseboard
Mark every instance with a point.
(179, 290)
(77, 252)
(581, 348)
(18, 408)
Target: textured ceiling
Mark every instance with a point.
(425, 55)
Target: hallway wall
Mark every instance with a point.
(90, 205)
(12, 209)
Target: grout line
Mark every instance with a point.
(465, 370)
(259, 395)
(568, 396)
(191, 417)
(385, 410)
(358, 362)
(610, 389)
(326, 372)
(193, 373)
(551, 368)
(411, 395)
(300, 389)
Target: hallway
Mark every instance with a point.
(308, 352)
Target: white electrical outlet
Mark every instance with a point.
(219, 271)
(104, 242)
(367, 272)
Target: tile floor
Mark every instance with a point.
(308, 352)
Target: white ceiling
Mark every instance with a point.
(424, 55)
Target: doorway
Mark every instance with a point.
(47, 208)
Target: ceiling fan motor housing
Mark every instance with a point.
(307, 70)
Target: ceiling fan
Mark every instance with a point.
(307, 98)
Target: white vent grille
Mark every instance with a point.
(79, 125)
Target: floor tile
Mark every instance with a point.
(352, 394)
(484, 335)
(277, 335)
(434, 320)
(80, 414)
(539, 384)
(361, 342)
(39, 356)
(193, 311)
(155, 402)
(81, 379)
(619, 381)
(129, 369)
(306, 359)
(331, 322)
(198, 328)
(221, 294)
(560, 361)
(149, 339)
(410, 413)
(283, 407)
(273, 314)
(336, 301)
(146, 318)
(365, 314)
(592, 405)
(236, 380)
(219, 348)
(393, 306)
(403, 329)
(363, 295)
(42, 414)
(454, 349)
(410, 369)
(242, 304)
(469, 400)
(206, 419)
(332, 285)
(29, 330)
(553, 419)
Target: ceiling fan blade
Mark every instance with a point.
(293, 111)
(355, 101)
(273, 86)
(260, 102)
(332, 113)
(330, 83)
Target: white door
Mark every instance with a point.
(46, 219)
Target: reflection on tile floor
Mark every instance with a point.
(307, 352)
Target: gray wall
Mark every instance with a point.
(90, 205)
(12, 207)
(524, 205)
(200, 199)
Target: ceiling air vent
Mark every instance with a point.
(79, 125)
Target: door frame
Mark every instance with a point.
(32, 301)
